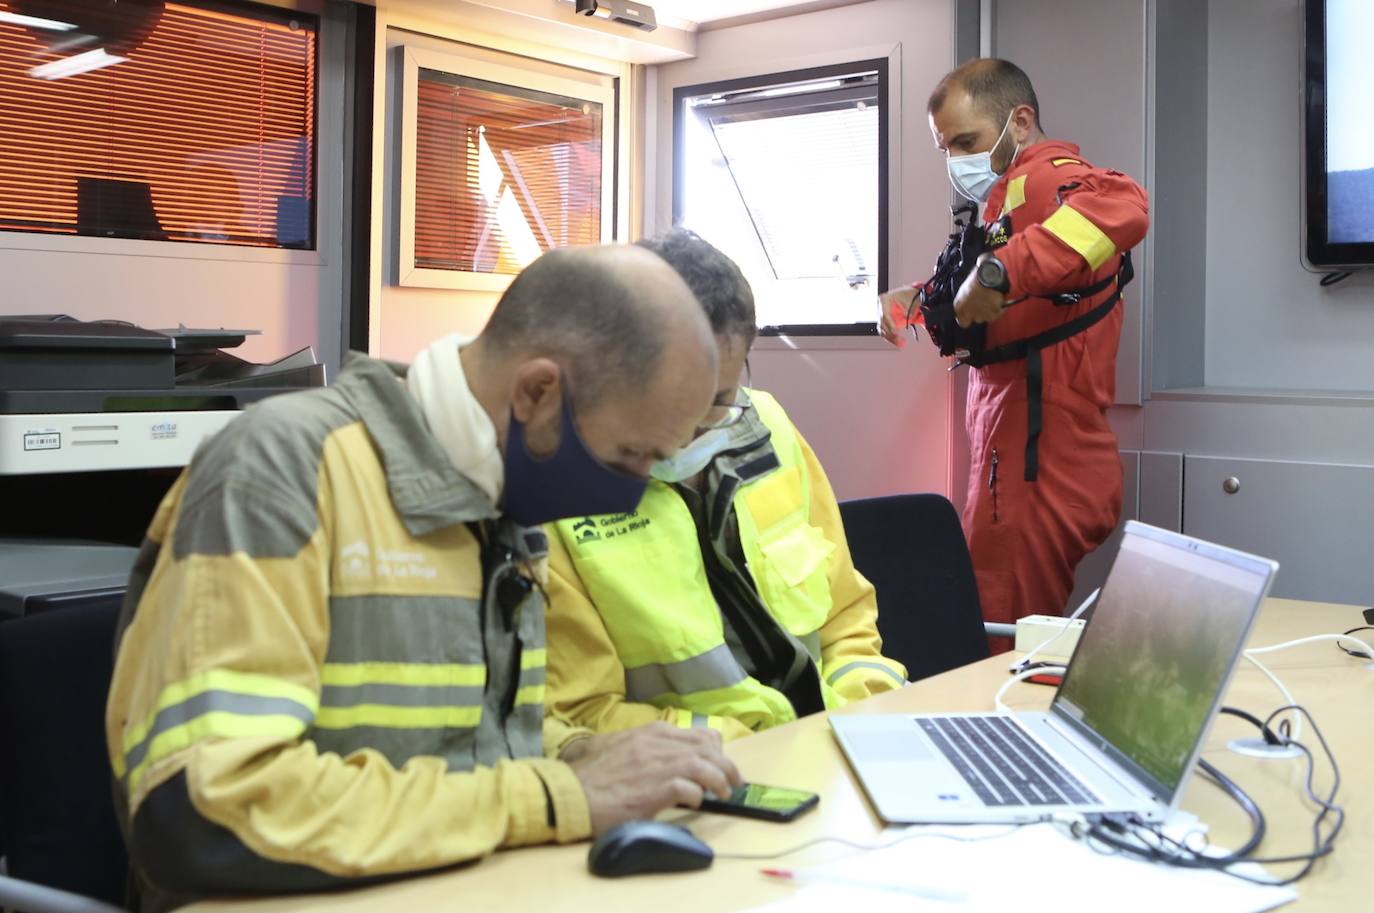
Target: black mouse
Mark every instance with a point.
(637, 847)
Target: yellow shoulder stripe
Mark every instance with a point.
(1074, 229)
(1057, 162)
(1016, 193)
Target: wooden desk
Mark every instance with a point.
(1337, 688)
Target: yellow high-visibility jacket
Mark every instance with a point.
(313, 683)
(636, 633)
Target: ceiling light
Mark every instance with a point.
(79, 63)
(35, 22)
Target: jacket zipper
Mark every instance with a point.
(992, 484)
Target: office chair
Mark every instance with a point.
(57, 822)
(912, 548)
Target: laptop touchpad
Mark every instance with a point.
(892, 745)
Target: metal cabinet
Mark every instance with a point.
(1312, 518)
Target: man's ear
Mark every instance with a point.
(1022, 122)
(536, 391)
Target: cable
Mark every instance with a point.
(909, 834)
(1024, 662)
(1356, 653)
(1021, 677)
(1146, 841)
(1270, 737)
(1296, 731)
(1315, 638)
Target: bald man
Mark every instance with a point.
(331, 661)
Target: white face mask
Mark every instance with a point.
(972, 175)
(693, 458)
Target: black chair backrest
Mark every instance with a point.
(912, 548)
(57, 822)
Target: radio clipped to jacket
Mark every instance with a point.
(936, 297)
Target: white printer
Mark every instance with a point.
(78, 396)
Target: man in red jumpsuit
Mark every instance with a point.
(1036, 503)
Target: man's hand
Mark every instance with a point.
(639, 772)
(895, 305)
(976, 303)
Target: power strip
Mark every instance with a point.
(1034, 630)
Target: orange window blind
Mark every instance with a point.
(502, 174)
(202, 129)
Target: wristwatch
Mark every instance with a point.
(992, 274)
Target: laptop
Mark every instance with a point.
(1126, 725)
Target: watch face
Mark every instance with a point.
(990, 273)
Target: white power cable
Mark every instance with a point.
(1287, 695)
(1024, 661)
(1021, 677)
(1315, 638)
(1274, 648)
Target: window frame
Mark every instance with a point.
(880, 65)
(189, 250)
(413, 60)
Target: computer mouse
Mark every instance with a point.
(638, 847)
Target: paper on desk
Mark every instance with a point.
(1036, 867)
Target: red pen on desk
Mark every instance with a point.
(806, 877)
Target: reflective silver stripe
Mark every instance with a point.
(402, 629)
(216, 702)
(401, 695)
(700, 721)
(812, 643)
(535, 676)
(716, 668)
(861, 664)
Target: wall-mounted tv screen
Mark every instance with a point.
(1338, 116)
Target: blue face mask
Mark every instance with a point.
(571, 483)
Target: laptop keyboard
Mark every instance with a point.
(1003, 766)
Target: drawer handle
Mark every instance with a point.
(1231, 485)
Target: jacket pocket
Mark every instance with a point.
(795, 578)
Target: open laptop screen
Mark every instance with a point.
(1151, 664)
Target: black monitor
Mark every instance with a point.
(1338, 127)
(111, 208)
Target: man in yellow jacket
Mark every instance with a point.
(331, 663)
(727, 600)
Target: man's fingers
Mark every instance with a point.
(709, 776)
(684, 792)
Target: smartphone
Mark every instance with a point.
(754, 800)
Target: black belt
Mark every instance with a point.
(1030, 347)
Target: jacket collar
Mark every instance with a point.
(426, 490)
(1042, 151)
(749, 455)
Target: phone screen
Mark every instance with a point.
(759, 800)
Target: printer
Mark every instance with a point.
(81, 396)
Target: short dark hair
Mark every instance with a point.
(996, 87)
(573, 305)
(714, 278)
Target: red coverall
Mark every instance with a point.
(1069, 224)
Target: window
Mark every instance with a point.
(499, 165)
(787, 174)
(187, 121)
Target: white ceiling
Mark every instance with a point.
(691, 14)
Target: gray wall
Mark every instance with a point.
(1268, 323)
